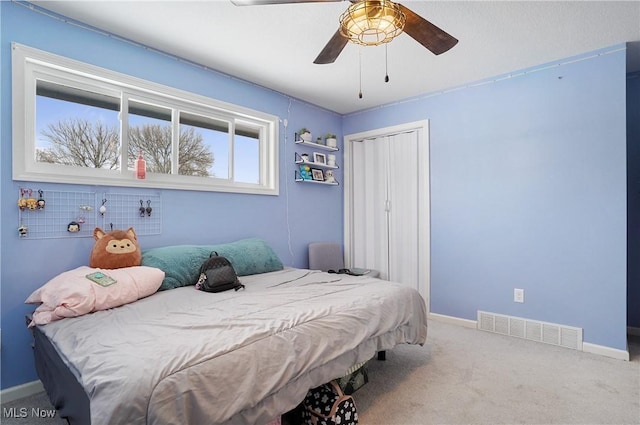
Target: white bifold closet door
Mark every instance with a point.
(385, 219)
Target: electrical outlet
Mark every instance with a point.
(518, 295)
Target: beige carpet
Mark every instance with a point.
(465, 376)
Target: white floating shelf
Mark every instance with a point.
(317, 182)
(316, 145)
(317, 164)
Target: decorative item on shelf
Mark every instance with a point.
(329, 177)
(301, 158)
(331, 160)
(305, 135)
(319, 158)
(319, 141)
(305, 172)
(330, 140)
(317, 174)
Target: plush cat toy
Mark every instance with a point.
(115, 250)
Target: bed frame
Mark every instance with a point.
(72, 401)
(64, 391)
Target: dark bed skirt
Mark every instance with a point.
(64, 391)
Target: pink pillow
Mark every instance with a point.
(72, 294)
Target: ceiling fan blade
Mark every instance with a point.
(330, 52)
(261, 2)
(427, 34)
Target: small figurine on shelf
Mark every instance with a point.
(305, 135)
(305, 157)
(328, 176)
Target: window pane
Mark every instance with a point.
(150, 133)
(70, 113)
(76, 127)
(246, 158)
(204, 146)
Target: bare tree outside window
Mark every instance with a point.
(154, 141)
(85, 143)
(81, 143)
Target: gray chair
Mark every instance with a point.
(327, 256)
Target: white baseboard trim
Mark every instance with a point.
(453, 320)
(633, 331)
(586, 347)
(20, 391)
(605, 351)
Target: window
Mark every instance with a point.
(77, 123)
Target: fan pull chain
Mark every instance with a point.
(360, 71)
(386, 63)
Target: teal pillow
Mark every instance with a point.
(249, 256)
(181, 263)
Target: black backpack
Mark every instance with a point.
(217, 275)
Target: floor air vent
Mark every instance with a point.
(549, 333)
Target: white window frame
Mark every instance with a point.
(29, 65)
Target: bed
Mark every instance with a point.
(190, 357)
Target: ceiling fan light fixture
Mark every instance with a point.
(372, 22)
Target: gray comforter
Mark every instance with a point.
(190, 357)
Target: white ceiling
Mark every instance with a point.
(275, 45)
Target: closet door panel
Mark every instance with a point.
(369, 215)
(387, 203)
(404, 169)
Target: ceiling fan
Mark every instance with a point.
(373, 22)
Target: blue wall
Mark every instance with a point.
(633, 209)
(528, 190)
(300, 214)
